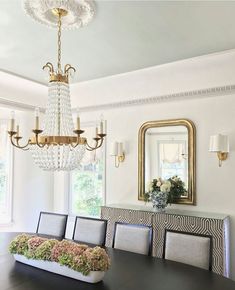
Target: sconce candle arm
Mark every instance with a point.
(222, 156)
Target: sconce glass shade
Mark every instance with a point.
(113, 149)
(219, 143)
(120, 149)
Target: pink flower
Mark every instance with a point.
(34, 242)
(67, 247)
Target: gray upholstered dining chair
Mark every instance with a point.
(52, 224)
(90, 230)
(133, 238)
(188, 248)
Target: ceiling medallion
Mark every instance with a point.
(78, 12)
(59, 144)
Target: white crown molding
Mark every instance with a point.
(186, 95)
(23, 77)
(18, 105)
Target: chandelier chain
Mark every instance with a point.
(59, 42)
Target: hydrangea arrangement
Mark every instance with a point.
(177, 188)
(78, 257)
(33, 244)
(67, 248)
(20, 244)
(43, 251)
(161, 192)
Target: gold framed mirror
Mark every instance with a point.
(167, 148)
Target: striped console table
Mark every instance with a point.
(216, 225)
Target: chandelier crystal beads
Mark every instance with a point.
(58, 145)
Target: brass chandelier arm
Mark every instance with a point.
(37, 132)
(50, 66)
(67, 68)
(77, 143)
(25, 147)
(37, 143)
(17, 145)
(91, 148)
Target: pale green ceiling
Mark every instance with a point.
(124, 36)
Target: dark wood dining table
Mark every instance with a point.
(128, 271)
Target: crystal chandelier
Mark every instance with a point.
(58, 146)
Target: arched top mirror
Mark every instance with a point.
(168, 148)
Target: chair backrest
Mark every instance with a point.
(52, 224)
(188, 248)
(90, 230)
(133, 238)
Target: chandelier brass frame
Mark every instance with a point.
(60, 76)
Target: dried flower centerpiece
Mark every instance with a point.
(163, 192)
(62, 257)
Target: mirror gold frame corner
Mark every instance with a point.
(191, 197)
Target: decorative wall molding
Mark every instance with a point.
(187, 95)
(18, 105)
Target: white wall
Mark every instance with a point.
(22, 91)
(191, 74)
(215, 188)
(32, 188)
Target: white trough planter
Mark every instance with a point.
(93, 277)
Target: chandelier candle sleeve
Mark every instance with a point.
(37, 118)
(101, 124)
(17, 130)
(78, 122)
(12, 122)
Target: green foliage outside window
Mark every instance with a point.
(87, 189)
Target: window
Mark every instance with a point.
(87, 184)
(172, 160)
(5, 174)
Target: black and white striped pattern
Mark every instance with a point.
(217, 228)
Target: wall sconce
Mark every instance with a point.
(220, 144)
(116, 150)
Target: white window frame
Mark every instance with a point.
(9, 219)
(69, 179)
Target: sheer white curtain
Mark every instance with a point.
(6, 159)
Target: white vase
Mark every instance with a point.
(92, 277)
